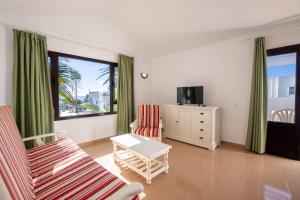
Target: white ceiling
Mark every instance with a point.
(158, 26)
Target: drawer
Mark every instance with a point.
(198, 135)
(204, 138)
(198, 132)
(202, 130)
(199, 114)
(201, 122)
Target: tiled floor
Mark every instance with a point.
(227, 173)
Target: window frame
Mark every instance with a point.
(54, 84)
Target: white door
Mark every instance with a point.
(185, 123)
(171, 120)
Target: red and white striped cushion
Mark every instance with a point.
(61, 170)
(148, 116)
(147, 131)
(14, 165)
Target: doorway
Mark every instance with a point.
(283, 73)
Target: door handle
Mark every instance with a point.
(201, 138)
(201, 121)
(201, 129)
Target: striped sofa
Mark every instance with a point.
(57, 170)
(148, 122)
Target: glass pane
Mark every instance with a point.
(83, 87)
(281, 72)
(116, 89)
(104, 77)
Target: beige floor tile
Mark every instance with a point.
(230, 172)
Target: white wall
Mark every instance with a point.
(83, 129)
(224, 69)
(5, 60)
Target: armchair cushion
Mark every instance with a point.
(148, 116)
(147, 131)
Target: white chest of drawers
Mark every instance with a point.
(193, 124)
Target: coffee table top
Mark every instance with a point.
(142, 145)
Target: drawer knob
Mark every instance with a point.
(201, 113)
(201, 121)
(177, 121)
(201, 138)
(201, 129)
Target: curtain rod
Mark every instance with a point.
(60, 38)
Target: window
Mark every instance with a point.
(292, 90)
(281, 72)
(82, 87)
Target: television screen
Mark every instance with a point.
(190, 95)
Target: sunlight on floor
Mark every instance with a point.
(272, 193)
(108, 162)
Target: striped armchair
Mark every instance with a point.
(57, 170)
(148, 122)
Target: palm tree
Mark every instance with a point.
(103, 72)
(68, 79)
(76, 76)
(106, 71)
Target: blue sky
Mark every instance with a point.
(281, 70)
(281, 65)
(89, 73)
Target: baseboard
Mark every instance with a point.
(106, 139)
(233, 144)
(93, 142)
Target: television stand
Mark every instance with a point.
(193, 124)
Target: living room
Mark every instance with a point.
(230, 60)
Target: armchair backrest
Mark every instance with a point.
(14, 166)
(148, 116)
(286, 115)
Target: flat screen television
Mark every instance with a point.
(190, 95)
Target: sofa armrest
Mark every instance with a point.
(127, 192)
(38, 138)
(4, 193)
(133, 125)
(160, 124)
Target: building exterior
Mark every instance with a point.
(94, 98)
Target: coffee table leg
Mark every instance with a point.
(115, 151)
(166, 164)
(149, 171)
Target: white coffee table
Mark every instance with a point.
(140, 154)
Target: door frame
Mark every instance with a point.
(296, 134)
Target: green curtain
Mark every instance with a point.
(125, 94)
(257, 124)
(32, 99)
